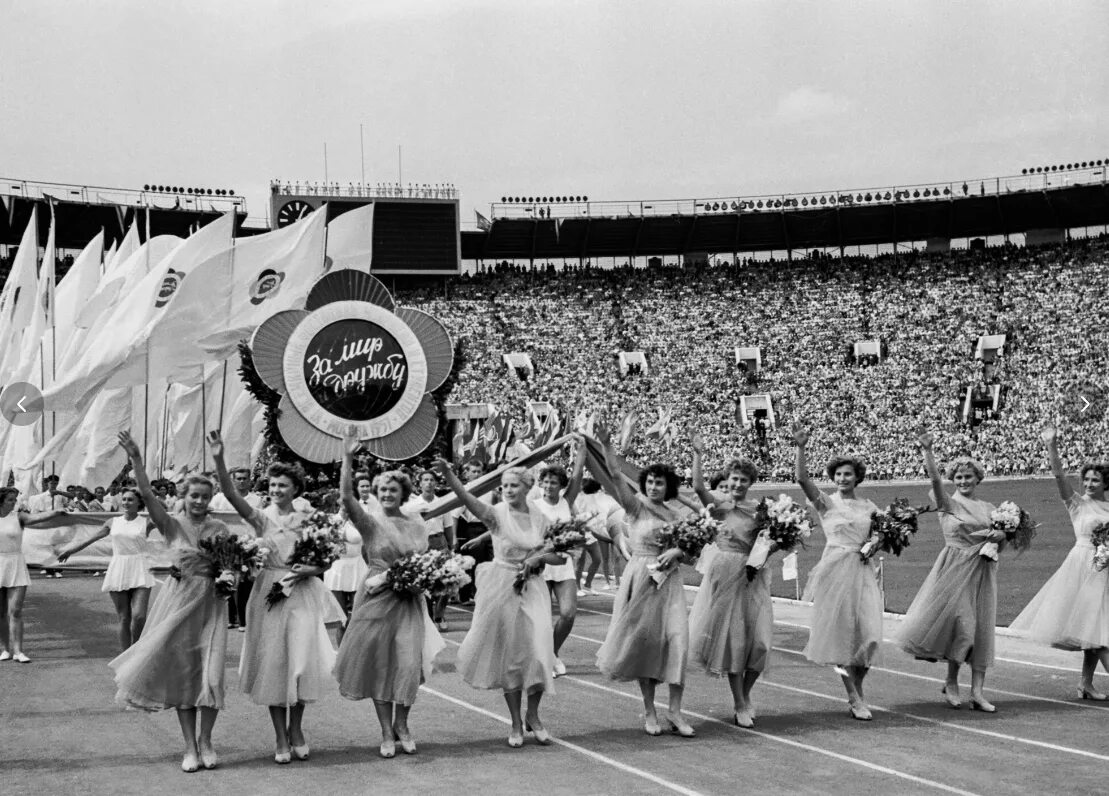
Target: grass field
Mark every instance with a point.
(1018, 577)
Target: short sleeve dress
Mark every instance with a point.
(847, 602)
(390, 642)
(129, 567)
(510, 644)
(1071, 611)
(349, 571)
(731, 625)
(13, 567)
(648, 637)
(558, 512)
(287, 655)
(178, 661)
(953, 616)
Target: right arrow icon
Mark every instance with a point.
(1086, 401)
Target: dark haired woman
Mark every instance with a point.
(557, 493)
(1071, 611)
(648, 637)
(179, 660)
(14, 578)
(731, 625)
(509, 644)
(954, 614)
(390, 643)
(287, 655)
(847, 602)
(128, 580)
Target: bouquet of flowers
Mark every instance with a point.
(435, 573)
(783, 525)
(892, 529)
(321, 544)
(224, 558)
(1013, 521)
(1100, 540)
(690, 535)
(561, 537)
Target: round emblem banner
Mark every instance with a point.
(355, 369)
(351, 362)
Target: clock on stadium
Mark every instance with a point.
(293, 211)
(352, 361)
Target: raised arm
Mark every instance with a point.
(356, 512)
(226, 485)
(1050, 436)
(698, 444)
(105, 529)
(482, 511)
(26, 519)
(166, 524)
(934, 475)
(574, 487)
(801, 440)
(623, 495)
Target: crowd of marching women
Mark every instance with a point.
(379, 564)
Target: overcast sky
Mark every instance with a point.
(613, 99)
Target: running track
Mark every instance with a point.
(62, 733)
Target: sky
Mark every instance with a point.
(614, 99)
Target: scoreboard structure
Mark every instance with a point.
(416, 235)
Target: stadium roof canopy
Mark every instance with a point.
(790, 228)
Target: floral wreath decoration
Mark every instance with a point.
(352, 360)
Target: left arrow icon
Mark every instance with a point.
(20, 405)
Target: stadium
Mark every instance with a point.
(804, 321)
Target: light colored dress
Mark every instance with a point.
(510, 644)
(13, 567)
(648, 636)
(954, 614)
(559, 512)
(390, 642)
(731, 626)
(287, 655)
(130, 566)
(178, 661)
(1071, 611)
(349, 571)
(847, 602)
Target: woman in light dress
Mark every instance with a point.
(954, 614)
(178, 661)
(847, 601)
(287, 655)
(390, 641)
(1071, 611)
(14, 578)
(648, 637)
(510, 644)
(128, 580)
(556, 496)
(731, 625)
(344, 578)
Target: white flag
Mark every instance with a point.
(350, 239)
(789, 567)
(16, 301)
(77, 287)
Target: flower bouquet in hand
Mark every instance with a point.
(224, 557)
(435, 573)
(690, 535)
(561, 537)
(451, 573)
(1012, 521)
(892, 529)
(1100, 540)
(321, 544)
(783, 524)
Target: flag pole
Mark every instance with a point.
(222, 396)
(165, 426)
(203, 420)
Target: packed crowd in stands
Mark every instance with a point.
(928, 310)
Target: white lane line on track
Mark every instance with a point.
(894, 642)
(600, 758)
(914, 716)
(766, 736)
(941, 681)
(788, 742)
